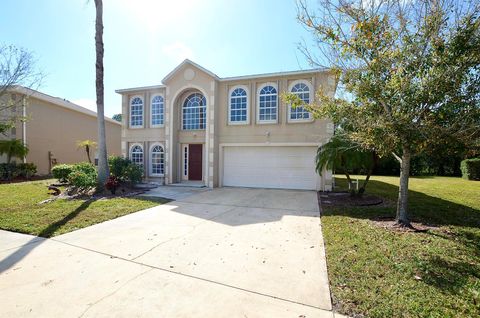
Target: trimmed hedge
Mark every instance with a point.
(61, 172)
(81, 175)
(470, 169)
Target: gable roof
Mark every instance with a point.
(59, 102)
(185, 62)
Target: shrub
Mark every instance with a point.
(112, 184)
(125, 170)
(61, 172)
(8, 171)
(81, 179)
(133, 174)
(470, 169)
(83, 175)
(27, 170)
(85, 167)
(117, 166)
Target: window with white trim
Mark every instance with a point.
(194, 112)
(238, 106)
(157, 108)
(267, 104)
(157, 160)
(136, 112)
(136, 155)
(303, 92)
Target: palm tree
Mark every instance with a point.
(102, 145)
(13, 148)
(87, 145)
(342, 154)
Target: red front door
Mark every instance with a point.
(195, 162)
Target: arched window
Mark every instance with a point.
(194, 112)
(136, 112)
(267, 104)
(136, 155)
(303, 92)
(238, 106)
(157, 110)
(157, 160)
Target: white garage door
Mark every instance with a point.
(270, 167)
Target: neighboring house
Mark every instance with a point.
(232, 131)
(53, 128)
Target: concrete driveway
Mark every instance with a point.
(228, 252)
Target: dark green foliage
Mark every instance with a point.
(9, 171)
(26, 170)
(125, 170)
(471, 169)
(117, 117)
(61, 172)
(342, 155)
(13, 149)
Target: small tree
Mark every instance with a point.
(412, 69)
(117, 117)
(13, 148)
(88, 145)
(17, 69)
(344, 155)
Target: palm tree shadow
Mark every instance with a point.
(25, 249)
(457, 223)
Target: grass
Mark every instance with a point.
(20, 211)
(377, 272)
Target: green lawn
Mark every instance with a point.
(20, 211)
(373, 270)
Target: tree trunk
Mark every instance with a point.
(87, 150)
(402, 203)
(102, 145)
(350, 184)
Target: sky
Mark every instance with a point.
(145, 39)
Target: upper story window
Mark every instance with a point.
(157, 160)
(136, 112)
(238, 106)
(136, 155)
(157, 109)
(267, 104)
(299, 113)
(194, 112)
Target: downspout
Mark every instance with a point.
(24, 126)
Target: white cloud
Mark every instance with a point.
(87, 103)
(177, 51)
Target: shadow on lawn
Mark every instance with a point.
(422, 208)
(47, 232)
(25, 249)
(446, 270)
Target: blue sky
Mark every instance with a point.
(146, 39)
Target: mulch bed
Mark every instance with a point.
(343, 199)
(389, 223)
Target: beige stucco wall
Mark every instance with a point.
(57, 129)
(218, 131)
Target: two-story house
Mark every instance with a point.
(234, 131)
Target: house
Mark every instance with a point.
(53, 128)
(234, 131)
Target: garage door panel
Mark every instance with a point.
(270, 167)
